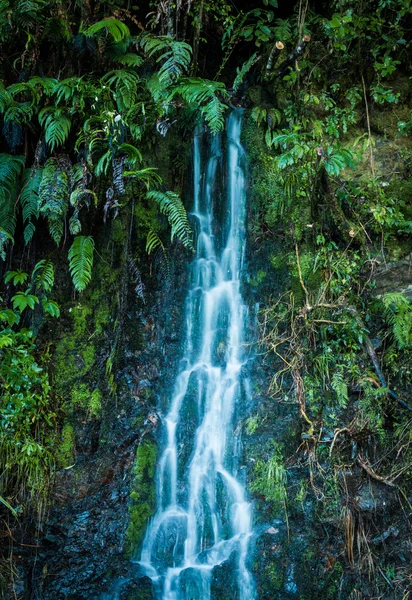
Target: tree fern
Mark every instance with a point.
(111, 26)
(205, 94)
(56, 123)
(54, 193)
(171, 205)
(81, 261)
(29, 199)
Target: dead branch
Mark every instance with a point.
(362, 463)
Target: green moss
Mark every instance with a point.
(89, 356)
(66, 449)
(275, 576)
(95, 403)
(80, 314)
(269, 479)
(80, 395)
(143, 495)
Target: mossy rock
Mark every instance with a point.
(143, 494)
(65, 454)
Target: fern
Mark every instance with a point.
(173, 55)
(57, 125)
(153, 241)
(241, 73)
(4, 239)
(43, 276)
(66, 89)
(29, 199)
(81, 261)
(130, 60)
(171, 206)
(125, 82)
(340, 388)
(54, 193)
(398, 314)
(205, 94)
(10, 169)
(118, 30)
(148, 176)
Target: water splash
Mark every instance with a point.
(203, 517)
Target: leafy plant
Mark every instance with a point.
(81, 261)
(171, 205)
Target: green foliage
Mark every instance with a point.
(66, 449)
(398, 314)
(171, 205)
(143, 494)
(29, 198)
(81, 261)
(26, 418)
(243, 71)
(117, 30)
(16, 277)
(172, 55)
(204, 95)
(43, 276)
(10, 170)
(22, 300)
(56, 124)
(54, 193)
(270, 479)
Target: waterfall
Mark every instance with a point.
(203, 517)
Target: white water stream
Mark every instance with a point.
(203, 517)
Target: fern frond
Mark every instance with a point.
(29, 200)
(243, 70)
(171, 205)
(82, 196)
(43, 275)
(42, 85)
(153, 241)
(65, 90)
(204, 94)
(103, 164)
(56, 123)
(174, 56)
(398, 314)
(125, 82)
(133, 154)
(54, 193)
(81, 261)
(118, 30)
(4, 239)
(130, 60)
(10, 170)
(147, 176)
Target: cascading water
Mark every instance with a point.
(203, 517)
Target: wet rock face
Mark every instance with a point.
(85, 537)
(395, 277)
(84, 550)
